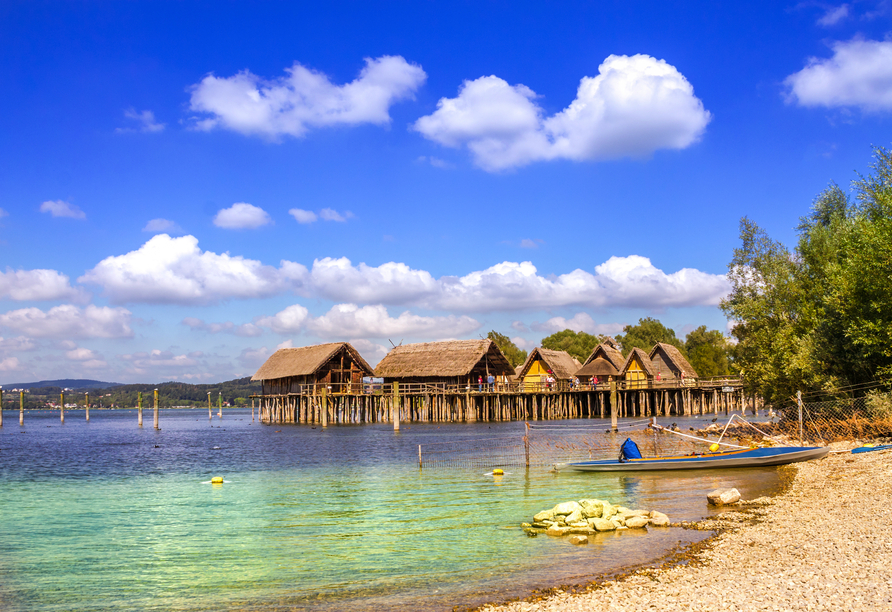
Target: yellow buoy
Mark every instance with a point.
(714, 447)
(217, 480)
(497, 472)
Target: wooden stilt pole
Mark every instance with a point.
(396, 406)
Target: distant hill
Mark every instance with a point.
(65, 383)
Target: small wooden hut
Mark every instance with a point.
(449, 363)
(541, 362)
(671, 365)
(335, 365)
(638, 371)
(604, 363)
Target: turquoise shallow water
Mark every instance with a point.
(106, 516)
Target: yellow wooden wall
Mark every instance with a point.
(534, 379)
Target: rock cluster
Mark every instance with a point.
(580, 519)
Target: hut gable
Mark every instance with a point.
(605, 361)
(638, 360)
(562, 365)
(336, 362)
(608, 351)
(453, 359)
(670, 363)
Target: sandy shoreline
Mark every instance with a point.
(825, 544)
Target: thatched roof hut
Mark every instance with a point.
(670, 363)
(561, 364)
(638, 370)
(450, 362)
(605, 361)
(291, 370)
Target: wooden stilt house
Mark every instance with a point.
(604, 364)
(638, 371)
(337, 366)
(671, 365)
(541, 363)
(452, 363)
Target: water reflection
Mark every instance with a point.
(104, 515)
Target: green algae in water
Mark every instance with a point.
(108, 517)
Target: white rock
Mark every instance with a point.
(720, 497)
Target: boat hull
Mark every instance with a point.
(757, 457)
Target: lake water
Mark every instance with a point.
(102, 515)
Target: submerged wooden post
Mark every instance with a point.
(323, 400)
(139, 408)
(156, 409)
(21, 407)
(396, 406)
(62, 406)
(210, 415)
(613, 404)
(87, 403)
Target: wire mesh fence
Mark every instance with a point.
(863, 418)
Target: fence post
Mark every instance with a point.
(324, 407)
(396, 406)
(613, 405)
(799, 402)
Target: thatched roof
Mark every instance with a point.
(561, 363)
(675, 357)
(607, 350)
(599, 367)
(443, 359)
(306, 360)
(643, 359)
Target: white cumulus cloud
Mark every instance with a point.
(858, 75)
(143, 121)
(635, 106)
(303, 216)
(61, 208)
(68, 321)
(242, 216)
(175, 270)
(37, 285)
(10, 364)
(510, 286)
(287, 321)
(248, 330)
(304, 99)
(162, 226)
(352, 321)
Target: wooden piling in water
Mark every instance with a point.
(87, 404)
(156, 410)
(139, 408)
(21, 407)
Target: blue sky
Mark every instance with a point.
(186, 186)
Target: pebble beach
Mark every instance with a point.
(824, 544)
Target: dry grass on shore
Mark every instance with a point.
(824, 544)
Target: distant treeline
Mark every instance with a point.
(236, 392)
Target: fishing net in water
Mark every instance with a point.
(554, 442)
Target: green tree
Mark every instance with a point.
(645, 335)
(708, 351)
(819, 319)
(577, 344)
(514, 355)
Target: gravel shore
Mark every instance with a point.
(825, 544)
